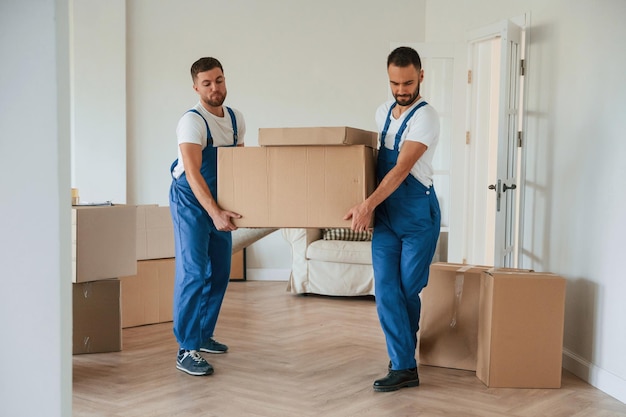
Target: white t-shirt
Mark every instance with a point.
(423, 127)
(191, 129)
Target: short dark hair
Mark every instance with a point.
(204, 64)
(404, 56)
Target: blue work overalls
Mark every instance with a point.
(203, 253)
(406, 229)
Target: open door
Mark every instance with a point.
(493, 139)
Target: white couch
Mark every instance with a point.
(335, 267)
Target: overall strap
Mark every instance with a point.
(209, 138)
(402, 126)
(386, 127)
(234, 122)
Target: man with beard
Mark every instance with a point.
(202, 229)
(406, 214)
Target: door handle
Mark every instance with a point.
(492, 187)
(509, 187)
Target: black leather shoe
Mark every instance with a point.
(397, 379)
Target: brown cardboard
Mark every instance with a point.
(147, 297)
(520, 335)
(449, 320)
(298, 136)
(103, 242)
(155, 232)
(294, 186)
(238, 266)
(96, 317)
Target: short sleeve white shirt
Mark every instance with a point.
(423, 127)
(192, 129)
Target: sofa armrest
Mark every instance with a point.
(300, 239)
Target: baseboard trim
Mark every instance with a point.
(267, 274)
(603, 380)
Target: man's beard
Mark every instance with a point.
(217, 102)
(410, 100)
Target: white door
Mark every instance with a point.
(493, 126)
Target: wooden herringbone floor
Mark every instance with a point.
(299, 356)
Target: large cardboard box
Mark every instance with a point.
(155, 232)
(520, 333)
(449, 321)
(147, 296)
(294, 186)
(289, 136)
(96, 317)
(104, 242)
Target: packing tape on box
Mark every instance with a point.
(87, 289)
(459, 280)
(86, 344)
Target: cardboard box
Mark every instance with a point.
(147, 297)
(155, 232)
(298, 136)
(520, 334)
(449, 320)
(238, 265)
(294, 186)
(96, 317)
(104, 242)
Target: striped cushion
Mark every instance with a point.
(347, 234)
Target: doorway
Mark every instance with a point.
(494, 140)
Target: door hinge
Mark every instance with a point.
(522, 67)
(467, 138)
(469, 76)
(519, 139)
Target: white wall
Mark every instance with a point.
(574, 212)
(286, 63)
(35, 283)
(98, 89)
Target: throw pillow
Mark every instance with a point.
(346, 234)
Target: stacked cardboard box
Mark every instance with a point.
(96, 326)
(103, 249)
(147, 294)
(299, 177)
(155, 234)
(103, 242)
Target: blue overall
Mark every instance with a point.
(406, 229)
(203, 253)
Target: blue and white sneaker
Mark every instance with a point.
(213, 346)
(191, 362)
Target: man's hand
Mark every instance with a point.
(361, 216)
(222, 220)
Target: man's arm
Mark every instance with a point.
(362, 214)
(192, 160)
